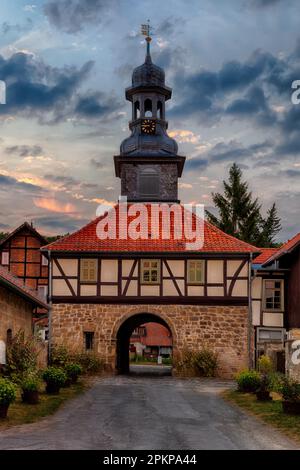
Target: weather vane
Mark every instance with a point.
(146, 30)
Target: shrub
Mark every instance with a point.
(73, 370)
(248, 381)
(167, 361)
(290, 390)
(54, 376)
(265, 383)
(60, 356)
(184, 363)
(7, 392)
(22, 355)
(30, 383)
(265, 365)
(91, 363)
(205, 362)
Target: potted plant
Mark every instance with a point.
(55, 378)
(248, 381)
(30, 389)
(7, 396)
(73, 371)
(264, 389)
(290, 390)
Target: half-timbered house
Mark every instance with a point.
(20, 253)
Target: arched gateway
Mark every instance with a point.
(124, 333)
(101, 287)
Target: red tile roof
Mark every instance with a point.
(21, 227)
(86, 240)
(287, 247)
(265, 254)
(14, 283)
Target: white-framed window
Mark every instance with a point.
(88, 270)
(195, 271)
(270, 334)
(273, 295)
(5, 258)
(43, 291)
(150, 271)
(44, 261)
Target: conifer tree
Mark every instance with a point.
(240, 213)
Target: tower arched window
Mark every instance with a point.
(160, 111)
(136, 111)
(148, 108)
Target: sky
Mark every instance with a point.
(66, 64)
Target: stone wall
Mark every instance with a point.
(15, 314)
(223, 329)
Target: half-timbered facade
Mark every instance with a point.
(102, 288)
(276, 296)
(20, 253)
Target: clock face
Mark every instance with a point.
(148, 126)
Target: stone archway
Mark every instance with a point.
(123, 337)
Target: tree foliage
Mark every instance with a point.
(240, 213)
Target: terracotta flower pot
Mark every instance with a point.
(3, 411)
(291, 407)
(263, 395)
(31, 397)
(52, 388)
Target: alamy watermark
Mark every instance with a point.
(182, 224)
(295, 98)
(295, 358)
(2, 92)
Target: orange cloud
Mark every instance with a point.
(54, 206)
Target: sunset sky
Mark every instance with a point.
(66, 64)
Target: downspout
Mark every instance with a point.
(250, 320)
(50, 305)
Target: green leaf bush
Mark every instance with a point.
(73, 371)
(7, 392)
(265, 365)
(30, 383)
(248, 381)
(54, 376)
(290, 390)
(22, 355)
(205, 362)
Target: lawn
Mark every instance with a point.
(270, 412)
(21, 413)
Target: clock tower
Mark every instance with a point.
(148, 164)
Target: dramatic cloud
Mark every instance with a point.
(53, 205)
(72, 16)
(25, 150)
(240, 89)
(52, 94)
(232, 151)
(8, 182)
(264, 3)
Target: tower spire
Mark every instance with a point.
(146, 31)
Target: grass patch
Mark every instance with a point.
(270, 412)
(22, 413)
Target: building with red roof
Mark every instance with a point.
(150, 259)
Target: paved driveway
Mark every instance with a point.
(147, 413)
